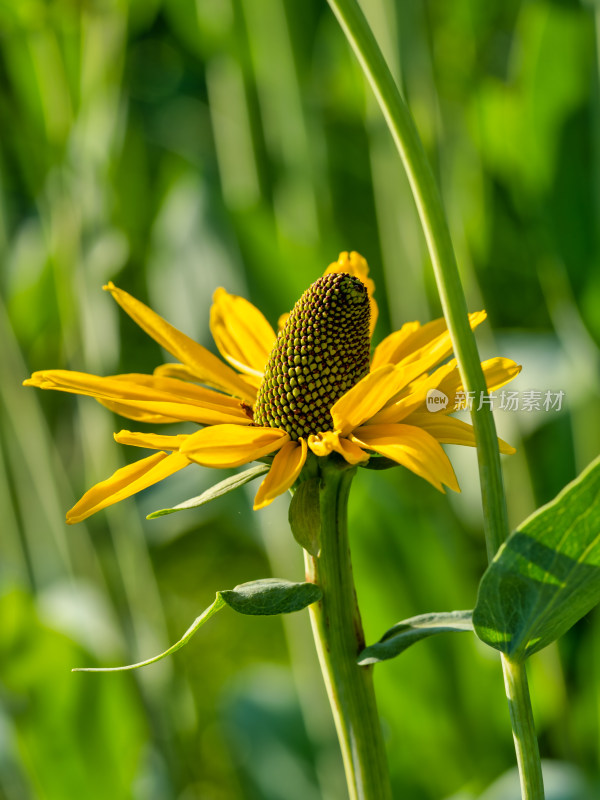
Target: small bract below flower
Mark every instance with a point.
(311, 387)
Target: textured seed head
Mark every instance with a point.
(322, 351)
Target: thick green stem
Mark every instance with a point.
(521, 717)
(339, 638)
(437, 234)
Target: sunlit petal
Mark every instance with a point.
(497, 372)
(198, 359)
(428, 343)
(366, 398)
(242, 334)
(354, 264)
(449, 430)
(125, 482)
(231, 445)
(153, 441)
(286, 467)
(411, 398)
(159, 397)
(413, 448)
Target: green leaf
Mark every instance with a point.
(271, 596)
(305, 516)
(260, 598)
(404, 634)
(546, 576)
(218, 490)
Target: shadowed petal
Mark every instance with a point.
(413, 448)
(206, 366)
(232, 445)
(241, 332)
(322, 444)
(125, 482)
(286, 467)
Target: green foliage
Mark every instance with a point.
(257, 598)
(305, 516)
(218, 490)
(404, 634)
(547, 575)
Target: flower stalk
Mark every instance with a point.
(439, 243)
(338, 635)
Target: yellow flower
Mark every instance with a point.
(254, 407)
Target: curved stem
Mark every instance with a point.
(437, 234)
(338, 634)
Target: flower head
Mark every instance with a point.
(311, 387)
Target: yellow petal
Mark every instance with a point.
(450, 430)
(242, 334)
(366, 397)
(428, 343)
(153, 441)
(496, 371)
(323, 443)
(354, 264)
(206, 366)
(413, 448)
(159, 397)
(232, 445)
(125, 482)
(286, 467)
(410, 399)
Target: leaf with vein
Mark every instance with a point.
(547, 575)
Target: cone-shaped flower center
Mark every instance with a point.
(322, 351)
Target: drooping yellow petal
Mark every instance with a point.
(366, 397)
(354, 264)
(412, 447)
(153, 441)
(162, 397)
(429, 343)
(242, 334)
(125, 482)
(449, 430)
(206, 366)
(231, 445)
(286, 467)
(322, 444)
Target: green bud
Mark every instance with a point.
(322, 351)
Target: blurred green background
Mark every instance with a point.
(176, 146)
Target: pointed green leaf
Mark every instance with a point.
(547, 575)
(218, 490)
(305, 516)
(406, 633)
(379, 462)
(263, 597)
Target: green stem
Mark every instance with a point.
(521, 717)
(437, 235)
(338, 634)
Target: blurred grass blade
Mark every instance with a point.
(546, 577)
(404, 634)
(265, 597)
(218, 490)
